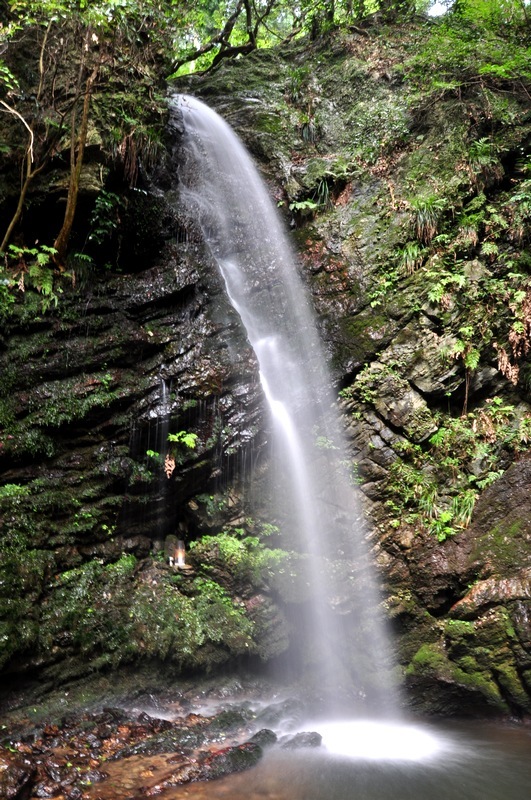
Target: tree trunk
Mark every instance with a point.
(76, 163)
(28, 177)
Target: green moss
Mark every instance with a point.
(360, 335)
(376, 125)
(101, 616)
(7, 411)
(61, 402)
(506, 545)
(243, 557)
(509, 680)
(526, 679)
(431, 662)
(482, 683)
(402, 602)
(23, 574)
(433, 161)
(198, 629)
(427, 660)
(468, 664)
(43, 516)
(457, 628)
(27, 441)
(52, 405)
(269, 122)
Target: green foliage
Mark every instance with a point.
(518, 208)
(75, 46)
(385, 285)
(28, 268)
(7, 295)
(221, 619)
(88, 603)
(188, 440)
(211, 32)
(484, 162)
(107, 619)
(8, 81)
(57, 403)
(410, 257)
(241, 556)
(303, 205)
(13, 490)
(490, 249)
(493, 14)
(24, 569)
(441, 526)
(104, 612)
(377, 126)
(104, 220)
(427, 211)
(468, 45)
(437, 487)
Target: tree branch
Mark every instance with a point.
(221, 39)
(16, 113)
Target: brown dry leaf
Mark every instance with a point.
(344, 197)
(510, 371)
(487, 426)
(169, 465)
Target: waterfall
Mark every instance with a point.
(339, 633)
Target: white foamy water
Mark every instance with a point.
(313, 499)
(383, 741)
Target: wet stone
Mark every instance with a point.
(264, 738)
(289, 710)
(53, 772)
(166, 742)
(45, 790)
(94, 776)
(231, 719)
(302, 740)
(233, 759)
(16, 779)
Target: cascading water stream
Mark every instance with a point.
(341, 633)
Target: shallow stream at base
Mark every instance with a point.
(476, 764)
(375, 761)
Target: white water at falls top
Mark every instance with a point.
(338, 627)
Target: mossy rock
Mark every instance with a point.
(511, 683)
(234, 759)
(430, 666)
(231, 719)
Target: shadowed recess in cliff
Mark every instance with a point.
(339, 635)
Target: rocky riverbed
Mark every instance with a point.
(144, 741)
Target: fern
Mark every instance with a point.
(189, 440)
(490, 249)
(471, 358)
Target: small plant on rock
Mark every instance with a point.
(427, 211)
(411, 257)
(182, 439)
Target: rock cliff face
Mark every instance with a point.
(91, 393)
(418, 318)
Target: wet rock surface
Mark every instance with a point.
(119, 752)
(17, 777)
(477, 587)
(303, 739)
